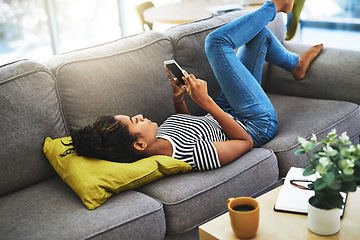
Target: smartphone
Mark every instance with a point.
(176, 70)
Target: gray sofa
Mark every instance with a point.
(127, 76)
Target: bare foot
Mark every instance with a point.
(284, 6)
(305, 59)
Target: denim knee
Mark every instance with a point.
(217, 39)
(211, 41)
(208, 43)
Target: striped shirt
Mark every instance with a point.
(192, 139)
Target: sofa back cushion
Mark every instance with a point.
(126, 76)
(29, 112)
(189, 39)
(333, 75)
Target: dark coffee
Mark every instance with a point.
(243, 208)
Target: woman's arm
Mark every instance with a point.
(180, 107)
(240, 141)
(178, 94)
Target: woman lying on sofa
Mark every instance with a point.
(241, 118)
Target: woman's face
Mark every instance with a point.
(140, 127)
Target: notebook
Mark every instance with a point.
(293, 199)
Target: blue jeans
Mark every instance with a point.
(239, 75)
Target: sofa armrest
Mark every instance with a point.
(334, 74)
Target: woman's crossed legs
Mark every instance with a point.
(239, 75)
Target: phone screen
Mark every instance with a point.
(175, 69)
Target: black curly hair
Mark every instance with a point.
(106, 139)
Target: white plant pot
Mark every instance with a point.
(323, 222)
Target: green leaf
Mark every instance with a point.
(347, 178)
(348, 187)
(321, 169)
(329, 177)
(328, 199)
(333, 152)
(299, 152)
(342, 164)
(322, 154)
(335, 186)
(332, 136)
(348, 171)
(304, 163)
(309, 171)
(319, 184)
(353, 187)
(314, 201)
(357, 174)
(335, 201)
(344, 152)
(311, 145)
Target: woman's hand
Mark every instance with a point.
(177, 89)
(197, 90)
(240, 141)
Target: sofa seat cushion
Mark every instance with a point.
(196, 197)
(299, 116)
(50, 210)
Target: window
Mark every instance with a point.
(40, 28)
(23, 30)
(336, 23)
(84, 23)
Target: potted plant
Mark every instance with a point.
(336, 164)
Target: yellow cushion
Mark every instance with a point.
(94, 180)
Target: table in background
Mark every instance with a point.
(188, 11)
(279, 225)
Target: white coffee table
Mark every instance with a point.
(278, 225)
(187, 11)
